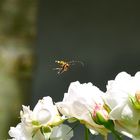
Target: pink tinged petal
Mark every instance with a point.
(99, 113)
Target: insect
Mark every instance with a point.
(65, 65)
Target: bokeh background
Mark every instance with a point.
(105, 35)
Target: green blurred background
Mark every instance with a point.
(17, 58)
(105, 35)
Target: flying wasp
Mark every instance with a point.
(65, 65)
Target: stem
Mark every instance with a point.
(105, 137)
(118, 137)
(86, 134)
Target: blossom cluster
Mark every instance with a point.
(115, 111)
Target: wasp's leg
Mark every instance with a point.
(59, 70)
(56, 68)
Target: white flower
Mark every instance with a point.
(20, 132)
(41, 123)
(45, 113)
(41, 120)
(80, 103)
(119, 96)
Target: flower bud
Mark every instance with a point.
(100, 114)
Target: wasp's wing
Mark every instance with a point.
(74, 62)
